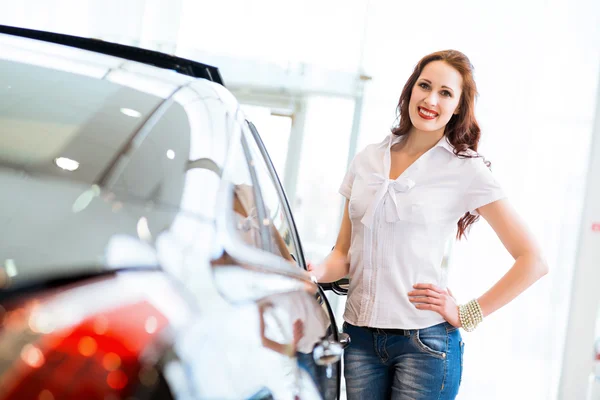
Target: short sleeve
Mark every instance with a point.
(346, 186)
(484, 188)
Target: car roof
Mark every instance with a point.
(161, 60)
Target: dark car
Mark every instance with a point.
(147, 247)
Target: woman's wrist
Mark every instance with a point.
(470, 315)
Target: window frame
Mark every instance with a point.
(228, 240)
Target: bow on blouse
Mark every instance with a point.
(389, 187)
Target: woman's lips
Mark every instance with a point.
(426, 114)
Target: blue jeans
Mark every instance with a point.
(421, 364)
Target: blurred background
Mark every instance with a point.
(321, 80)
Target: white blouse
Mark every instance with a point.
(400, 228)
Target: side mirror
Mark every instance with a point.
(327, 352)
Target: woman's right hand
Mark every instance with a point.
(336, 265)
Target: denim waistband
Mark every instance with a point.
(388, 331)
(402, 332)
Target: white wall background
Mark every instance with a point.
(537, 67)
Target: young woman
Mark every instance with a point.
(406, 196)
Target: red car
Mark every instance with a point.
(147, 250)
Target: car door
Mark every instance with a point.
(283, 240)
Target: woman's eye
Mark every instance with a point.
(423, 85)
(446, 93)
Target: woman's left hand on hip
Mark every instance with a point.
(426, 296)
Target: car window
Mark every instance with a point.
(281, 239)
(245, 208)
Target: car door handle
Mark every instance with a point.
(338, 287)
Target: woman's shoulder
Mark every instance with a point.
(468, 161)
(462, 154)
(476, 166)
(376, 148)
(468, 156)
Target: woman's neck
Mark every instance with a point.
(418, 142)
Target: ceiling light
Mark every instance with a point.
(131, 112)
(170, 154)
(66, 163)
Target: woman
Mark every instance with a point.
(405, 197)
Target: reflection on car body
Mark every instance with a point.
(163, 260)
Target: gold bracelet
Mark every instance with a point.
(470, 315)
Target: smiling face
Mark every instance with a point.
(435, 97)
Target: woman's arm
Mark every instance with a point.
(529, 266)
(529, 263)
(336, 265)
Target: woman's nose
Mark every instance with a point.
(432, 99)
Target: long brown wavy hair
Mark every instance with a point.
(462, 130)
